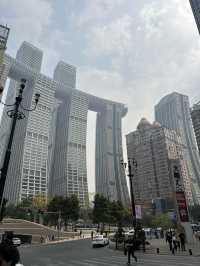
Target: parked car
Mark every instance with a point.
(100, 240)
(16, 241)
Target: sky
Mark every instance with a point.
(131, 51)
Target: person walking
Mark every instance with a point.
(182, 240)
(174, 241)
(130, 249)
(80, 234)
(92, 235)
(9, 255)
(169, 240)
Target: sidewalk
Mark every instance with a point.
(57, 241)
(164, 248)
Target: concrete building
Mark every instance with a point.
(195, 5)
(27, 173)
(156, 149)
(49, 148)
(195, 114)
(4, 32)
(69, 169)
(173, 112)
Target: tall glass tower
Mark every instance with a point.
(28, 170)
(195, 5)
(173, 112)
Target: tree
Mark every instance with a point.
(101, 210)
(55, 206)
(162, 220)
(74, 208)
(195, 213)
(39, 201)
(117, 212)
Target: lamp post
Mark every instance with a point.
(132, 168)
(15, 114)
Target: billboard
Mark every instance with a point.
(138, 211)
(182, 206)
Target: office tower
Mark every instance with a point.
(110, 176)
(173, 112)
(195, 5)
(195, 114)
(56, 132)
(66, 74)
(4, 32)
(27, 173)
(156, 150)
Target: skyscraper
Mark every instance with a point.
(155, 148)
(27, 173)
(195, 113)
(49, 146)
(4, 32)
(195, 5)
(173, 112)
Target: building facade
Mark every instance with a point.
(173, 112)
(155, 149)
(4, 33)
(27, 173)
(195, 114)
(195, 5)
(49, 147)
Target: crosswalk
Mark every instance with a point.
(143, 260)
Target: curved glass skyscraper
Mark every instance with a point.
(173, 111)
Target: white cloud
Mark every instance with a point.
(129, 51)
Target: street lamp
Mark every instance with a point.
(132, 168)
(15, 114)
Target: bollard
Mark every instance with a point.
(158, 251)
(190, 252)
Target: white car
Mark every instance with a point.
(16, 241)
(99, 240)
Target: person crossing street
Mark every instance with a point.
(129, 249)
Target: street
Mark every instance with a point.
(80, 252)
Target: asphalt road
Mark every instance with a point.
(80, 253)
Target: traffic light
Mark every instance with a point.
(3, 209)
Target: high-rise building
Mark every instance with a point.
(155, 149)
(69, 169)
(195, 114)
(27, 173)
(195, 5)
(49, 146)
(4, 32)
(173, 112)
(110, 176)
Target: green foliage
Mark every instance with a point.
(68, 207)
(101, 210)
(162, 220)
(111, 212)
(195, 213)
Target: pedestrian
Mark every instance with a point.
(142, 236)
(80, 234)
(41, 239)
(92, 234)
(174, 241)
(9, 255)
(178, 245)
(182, 240)
(162, 233)
(130, 249)
(169, 240)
